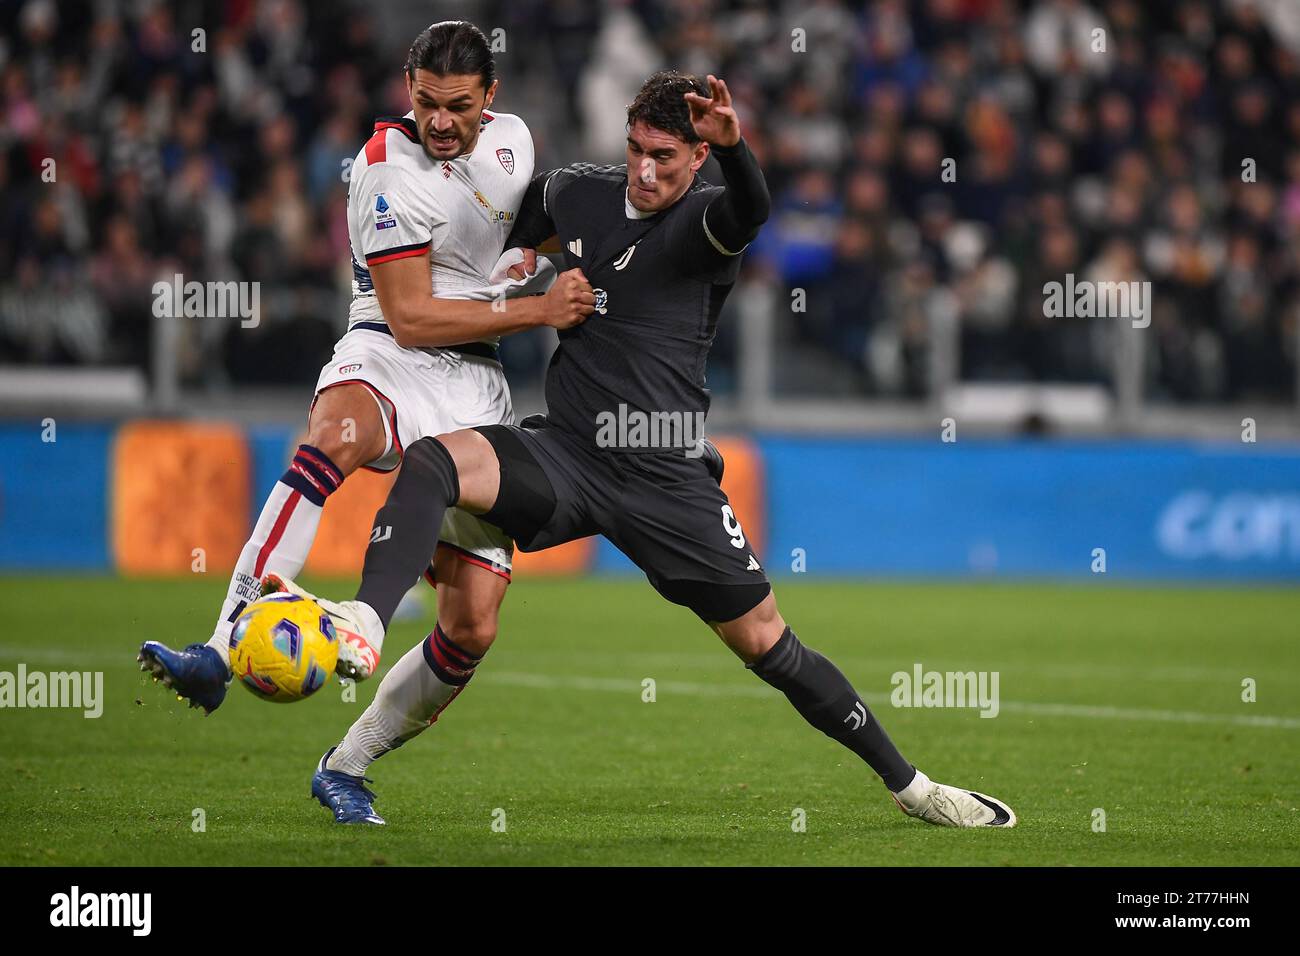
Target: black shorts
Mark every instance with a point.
(666, 512)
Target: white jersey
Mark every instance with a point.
(401, 202)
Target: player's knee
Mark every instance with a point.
(477, 468)
(765, 615)
(472, 633)
(347, 442)
(754, 633)
(469, 618)
(346, 425)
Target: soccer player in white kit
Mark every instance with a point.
(432, 197)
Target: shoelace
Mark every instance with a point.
(346, 790)
(945, 805)
(955, 814)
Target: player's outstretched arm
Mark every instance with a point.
(734, 217)
(419, 319)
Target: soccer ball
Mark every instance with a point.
(283, 648)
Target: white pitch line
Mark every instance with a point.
(33, 655)
(57, 655)
(620, 686)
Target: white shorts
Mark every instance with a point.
(422, 393)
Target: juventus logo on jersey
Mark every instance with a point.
(381, 533)
(857, 716)
(621, 262)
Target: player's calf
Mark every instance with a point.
(814, 686)
(411, 697)
(825, 698)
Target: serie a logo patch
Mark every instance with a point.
(383, 218)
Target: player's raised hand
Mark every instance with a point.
(714, 120)
(570, 300)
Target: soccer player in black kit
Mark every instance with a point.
(661, 249)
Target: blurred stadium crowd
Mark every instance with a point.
(1173, 156)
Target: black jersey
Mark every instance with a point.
(660, 283)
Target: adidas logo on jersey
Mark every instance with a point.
(753, 564)
(575, 246)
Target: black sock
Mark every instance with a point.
(826, 699)
(406, 527)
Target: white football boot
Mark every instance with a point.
(361, 633)
(946, 806)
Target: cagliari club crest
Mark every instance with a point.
(507, 160)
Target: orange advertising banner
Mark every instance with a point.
(180, 497)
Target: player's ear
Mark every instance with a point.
(491, 94)
(410, 89)
(700, 155)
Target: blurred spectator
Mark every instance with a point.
(925, 157)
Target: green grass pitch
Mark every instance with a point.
(1124, 700)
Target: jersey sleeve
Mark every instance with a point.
(533, 225)
(699, 252)
(393, 218)
(536, 221)
(720, 222)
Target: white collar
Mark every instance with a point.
(631, 211)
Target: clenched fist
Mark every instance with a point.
(569, 301)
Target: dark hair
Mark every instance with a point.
(660, 103)
(452, 47)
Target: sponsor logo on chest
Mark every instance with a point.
(502, 216)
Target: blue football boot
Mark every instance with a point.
(197, 673)
(344, 795)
